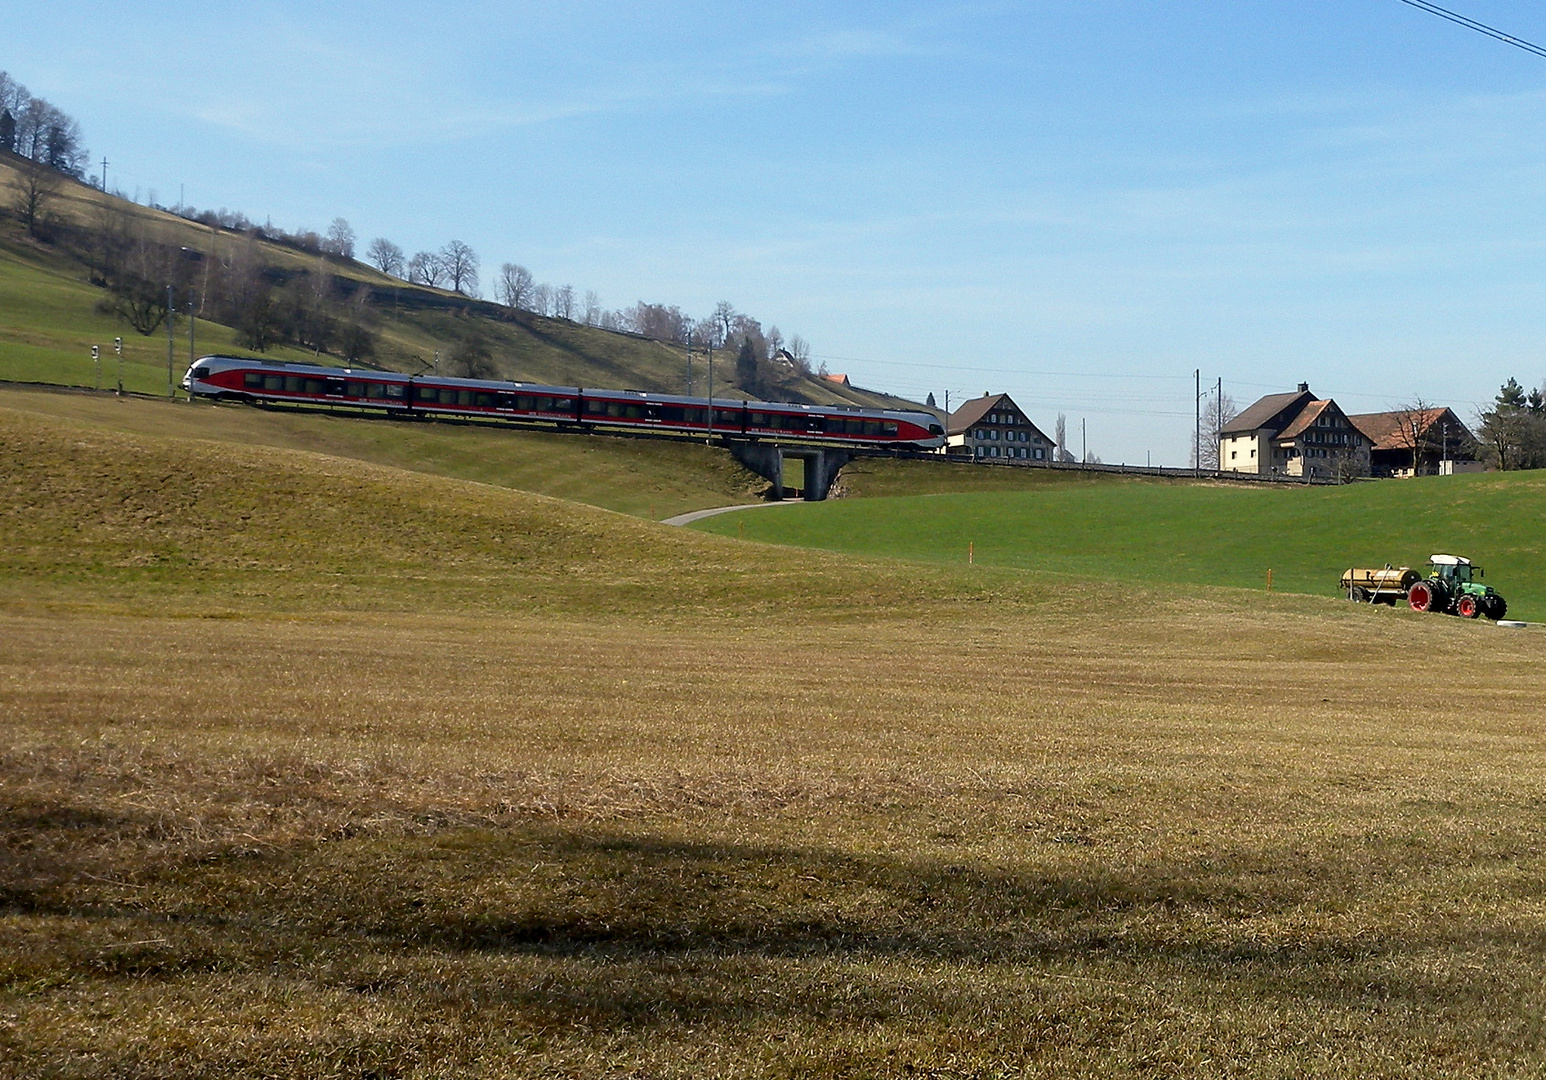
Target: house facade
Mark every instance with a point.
(993, 428)
(1294, 434)
(1418, 442)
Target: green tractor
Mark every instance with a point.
(1451, 587)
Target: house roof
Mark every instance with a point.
(1273, 412)
(841, 380)
(1311, 412)
(1387, 430)
(974, 410)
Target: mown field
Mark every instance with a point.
(320, 766)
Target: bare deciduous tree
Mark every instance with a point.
(461, 267)
(724, 320)
(800, 349)
(1414, 424)
(386, 256)
(592, 310)
(35, 188)
(425, 268)
(1217, 411)
(542, 299)
(514, 286)
(340, 239)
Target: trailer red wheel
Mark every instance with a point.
(1420, 596)
(1467, 607)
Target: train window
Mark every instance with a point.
(374, 390)
(446, 397)
(871, 428)
(293, 383)
(815, 423)
(596, 408)
(889, 427)
(562, 404)
(252, 378)
(504, 401)
(485, 401)
(394, 391)
(671, 414)
(273, 382)
(464, 397)
(315, 386)
(757, 419)
(727, 416)
(355, 389)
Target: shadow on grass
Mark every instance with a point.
(635, 929)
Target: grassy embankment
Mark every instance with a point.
(315, 767)
(1180, 534)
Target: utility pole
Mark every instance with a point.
(1218, 419)
(1084, 443)
(118, 347)
(1197, 435)
(104, 175)
(689, 364)
(711, 392)
(171, 317)
(191, 321)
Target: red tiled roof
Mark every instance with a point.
(1388, 430)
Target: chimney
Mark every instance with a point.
(1304, 388)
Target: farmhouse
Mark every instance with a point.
(1418, 442)
(1294, 434)
(992, 427)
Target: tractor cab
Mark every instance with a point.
(1454, 569)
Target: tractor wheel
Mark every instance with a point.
(1468, 607)
(1358, 594)
(1421, 597)
(1496, 608)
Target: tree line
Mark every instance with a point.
(144, 277)
(37, 131)
(762, 357)
(1513, 428)
(46, 147)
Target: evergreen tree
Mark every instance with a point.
(747, 376)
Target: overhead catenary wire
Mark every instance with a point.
(1479, 27)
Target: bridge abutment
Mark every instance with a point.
(821, 464)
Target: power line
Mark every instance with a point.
(1472, 24)
(994, 371)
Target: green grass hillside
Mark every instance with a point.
(1182, 535)
(646, 478)
(49, 318)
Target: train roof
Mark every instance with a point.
(916, 416)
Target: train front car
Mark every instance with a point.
(239, 378)
(919, 429)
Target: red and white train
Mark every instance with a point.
(234, 378)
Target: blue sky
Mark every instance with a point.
(1077, 203)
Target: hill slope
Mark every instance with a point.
(49, 317)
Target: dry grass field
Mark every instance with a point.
(318, 768)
